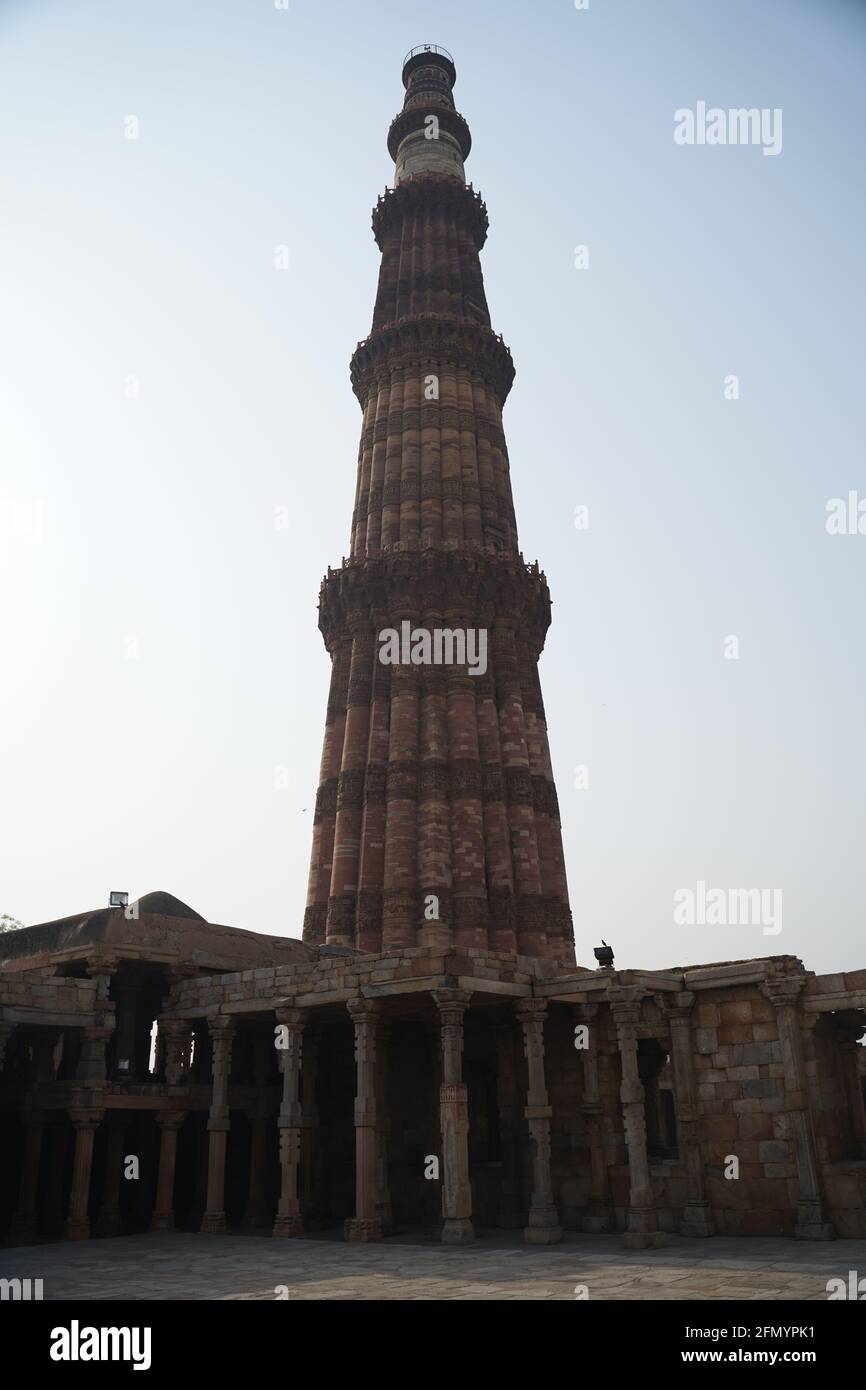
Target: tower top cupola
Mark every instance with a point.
(429, 136)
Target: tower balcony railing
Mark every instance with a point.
(427, 48)
(508, 560)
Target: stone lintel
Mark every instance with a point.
(741, 972)
(47, 1018)
(830, 1003)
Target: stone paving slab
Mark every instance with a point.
(181, 1266)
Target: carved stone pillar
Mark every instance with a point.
(24, 1220)
(169, 1122)
(108, 1218)
(457, 1228)
(365, 1224)
(598, 1215)
(543, 1227)
(784, 994)
(92, 1058)
(642, 1231)
(512, 1209)
(77, 1225)
(289, 1221)
(222, 1031)
(176, 1035)
(697, 1217)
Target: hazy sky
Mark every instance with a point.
(164, 388)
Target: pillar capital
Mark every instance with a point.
(363, 1010)
(290, 1016)
(170, 1119)
(85, 1117)
(222, 1026)
(103, 963)
(784, 991)
(532, 1010)
(452, 1004)
(625, 1004)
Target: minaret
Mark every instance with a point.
(436, 819)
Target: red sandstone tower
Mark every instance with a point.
(436, 818)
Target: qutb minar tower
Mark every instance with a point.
(436, 818)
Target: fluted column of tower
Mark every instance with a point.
(436, 816)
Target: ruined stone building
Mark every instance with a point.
(160, 1071)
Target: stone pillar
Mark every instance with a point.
(642, 1232)
(169, 1122)
(457, 1228)
(543, 1227)
(176, 1035)
(91, 1059)
(289, 1221)
(77, 1225)
(108, 1218)
(512, 1212)
(784, 994)
(24, 1221)
(365, 1224)
(310, 1176)
(598, 1215)
(697, 1219)
(222, 1031)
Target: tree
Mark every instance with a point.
(8, 923)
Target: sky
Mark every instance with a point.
(168, 395)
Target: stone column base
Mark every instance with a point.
(457, 1230)
(642, 1232)
(357, 1228)
(543, 1227)
(697, 1220)
(810, 1222)
(542, 1235)
(288, 1226)
(644, 1240)
(213, 1223)
(76, 1228)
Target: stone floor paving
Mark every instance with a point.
(175, 1265)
